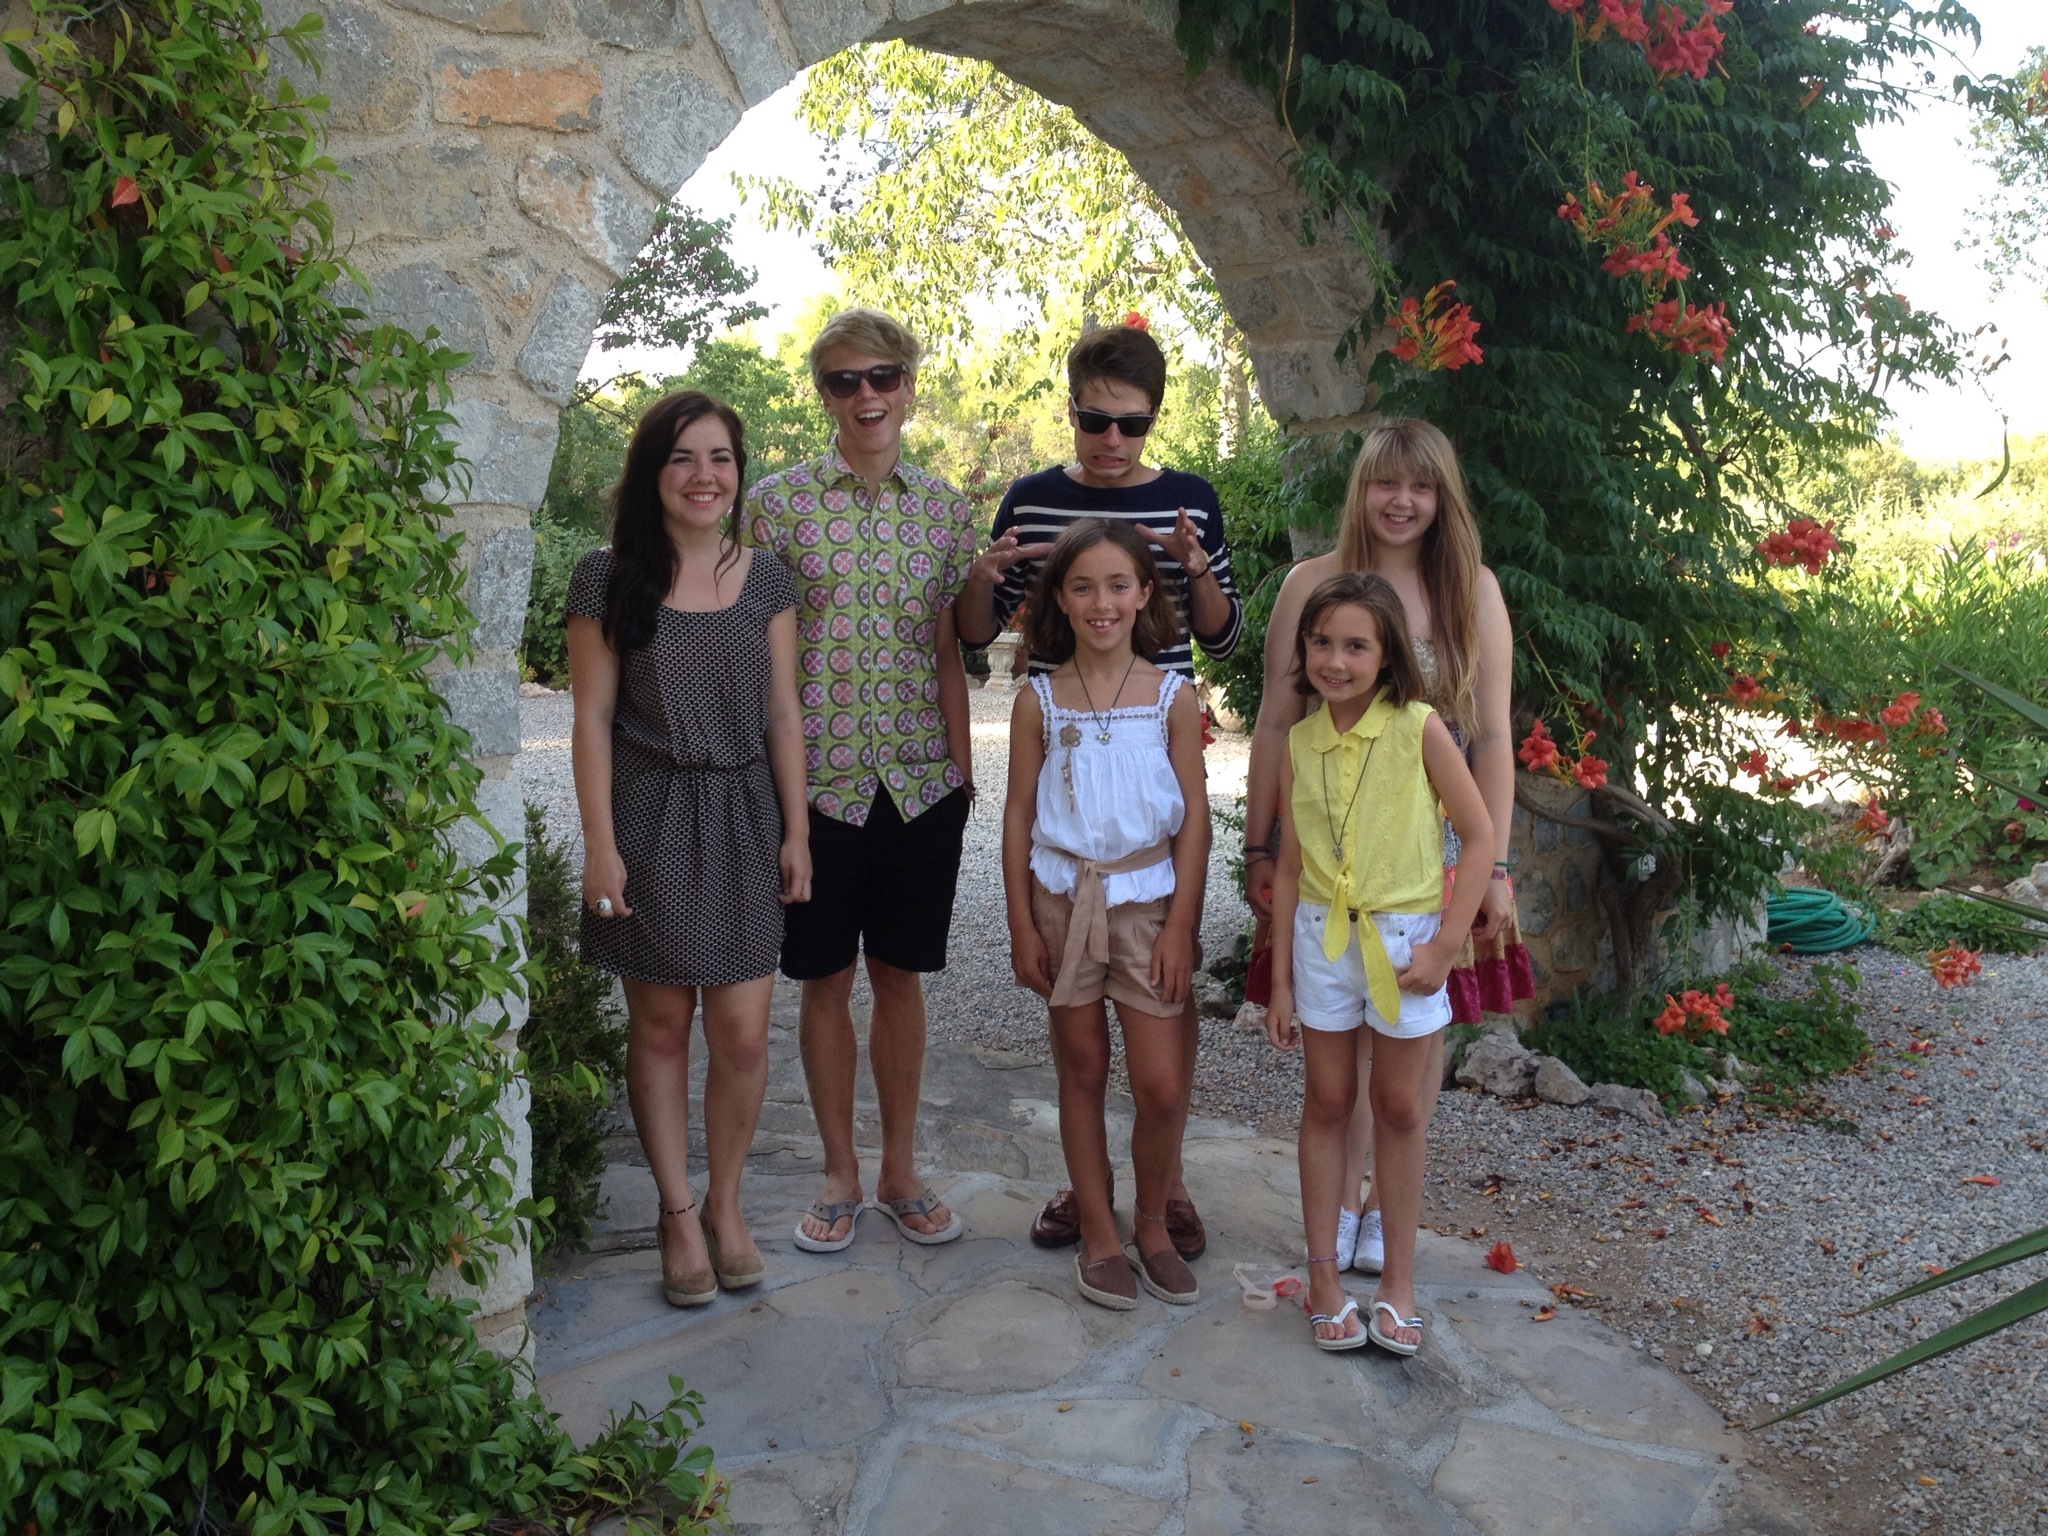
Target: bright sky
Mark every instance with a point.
(1924, 157)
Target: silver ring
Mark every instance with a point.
(604, 906)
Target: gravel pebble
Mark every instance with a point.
(1810, 1224)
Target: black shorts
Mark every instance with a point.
(886, 887)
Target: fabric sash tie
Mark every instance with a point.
(1088, 927)
(1380, 984)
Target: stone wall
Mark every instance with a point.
(1558, 872)
(505, 160)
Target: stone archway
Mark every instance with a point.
(506, 159)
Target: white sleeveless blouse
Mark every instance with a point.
(1103, 800)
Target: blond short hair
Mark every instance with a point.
(869, 331)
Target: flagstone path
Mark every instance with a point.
(898, 1390)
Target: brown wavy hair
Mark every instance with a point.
(1402, 673)
(1406, 448)
(1047, 629)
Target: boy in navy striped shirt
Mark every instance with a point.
(1116, 379)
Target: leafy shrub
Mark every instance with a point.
(1973, 790)
(1941, 919)
(574, 1043)
(1785, 1041)
(247, 984)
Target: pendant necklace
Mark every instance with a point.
(1101, 716)
(1338, 829)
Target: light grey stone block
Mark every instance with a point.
(635, 23)
(500, 574)
(554, 351)
(485, 15)
(424, 297)
(484, 702)
(741, 32)
(676, 118)
(821, 28)
(509, 457)
(1639, 1102)
(368, 88)
(606, 220)
(413, 192)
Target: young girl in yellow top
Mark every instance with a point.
(1360, 932)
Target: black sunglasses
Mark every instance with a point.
(1095, 423)
(844, 383)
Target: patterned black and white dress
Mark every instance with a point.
(694, 808)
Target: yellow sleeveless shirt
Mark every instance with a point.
(1370, 830)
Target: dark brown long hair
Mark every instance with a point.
(1400, 675)
(1047, 630)
(644, 558)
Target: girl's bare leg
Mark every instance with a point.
(1154, 1048)
(658, 1088)
(1080, 1055)
(735, 1079)
(1358, 1134)
(1331, 1058)
(1402, 1097)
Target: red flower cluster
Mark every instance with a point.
(1756, 765)
(1630, 226)
(1137, 322)
(1744, 689)
(1677, 49)
(1953, 966)
(1694, 1012)
(1873, 822)
(1540, 754)
(1687, 328)
(1673, 46)
(1720, 649)
(1931, 723)
(1435, 333)
(1851, 733)
(1801, 542)
(1900, 710)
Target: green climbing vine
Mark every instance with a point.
(248, 990)
(1675, 293)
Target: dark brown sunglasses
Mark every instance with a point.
(844, 383)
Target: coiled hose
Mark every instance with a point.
(1814, 922)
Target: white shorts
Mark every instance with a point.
(1331, 994)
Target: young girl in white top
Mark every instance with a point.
(1361, 932)
(1105, 846)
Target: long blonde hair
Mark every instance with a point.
(1406, 448)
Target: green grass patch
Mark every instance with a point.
(1943, 919)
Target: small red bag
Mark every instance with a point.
(1258, 977)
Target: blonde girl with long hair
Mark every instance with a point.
(1407, 518)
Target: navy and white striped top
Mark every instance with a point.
(1041, 507)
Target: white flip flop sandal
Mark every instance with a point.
(923, 1205)
(1339, 1317)
(831, 1212)
(1388, 1342)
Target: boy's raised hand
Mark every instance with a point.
(1003, 553)
(1281, 1030)
(1184, 544)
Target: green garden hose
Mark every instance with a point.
(1812, 922)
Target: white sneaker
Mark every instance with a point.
(1347, 1237)
(1370, 1255)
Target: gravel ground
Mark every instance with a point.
(1753, 1240)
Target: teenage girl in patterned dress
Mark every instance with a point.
(689, 759)
(1362, 934)
(1105, 848)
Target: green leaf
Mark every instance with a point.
(197, 295)
(2005, 696)
(2016, 1308)
(1994, 1258)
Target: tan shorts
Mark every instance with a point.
(1133, 929)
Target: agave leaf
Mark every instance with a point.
(2016, 1308)
(2004, 695)
(2005, 904)
(1992, 1258)
(1983, 777)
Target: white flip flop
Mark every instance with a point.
(831, 1212)
(1388, 1342)
(1342, 1341)
(923, 1205)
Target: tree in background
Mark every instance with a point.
(682, 289)
(2011, 137)
(976, 209)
